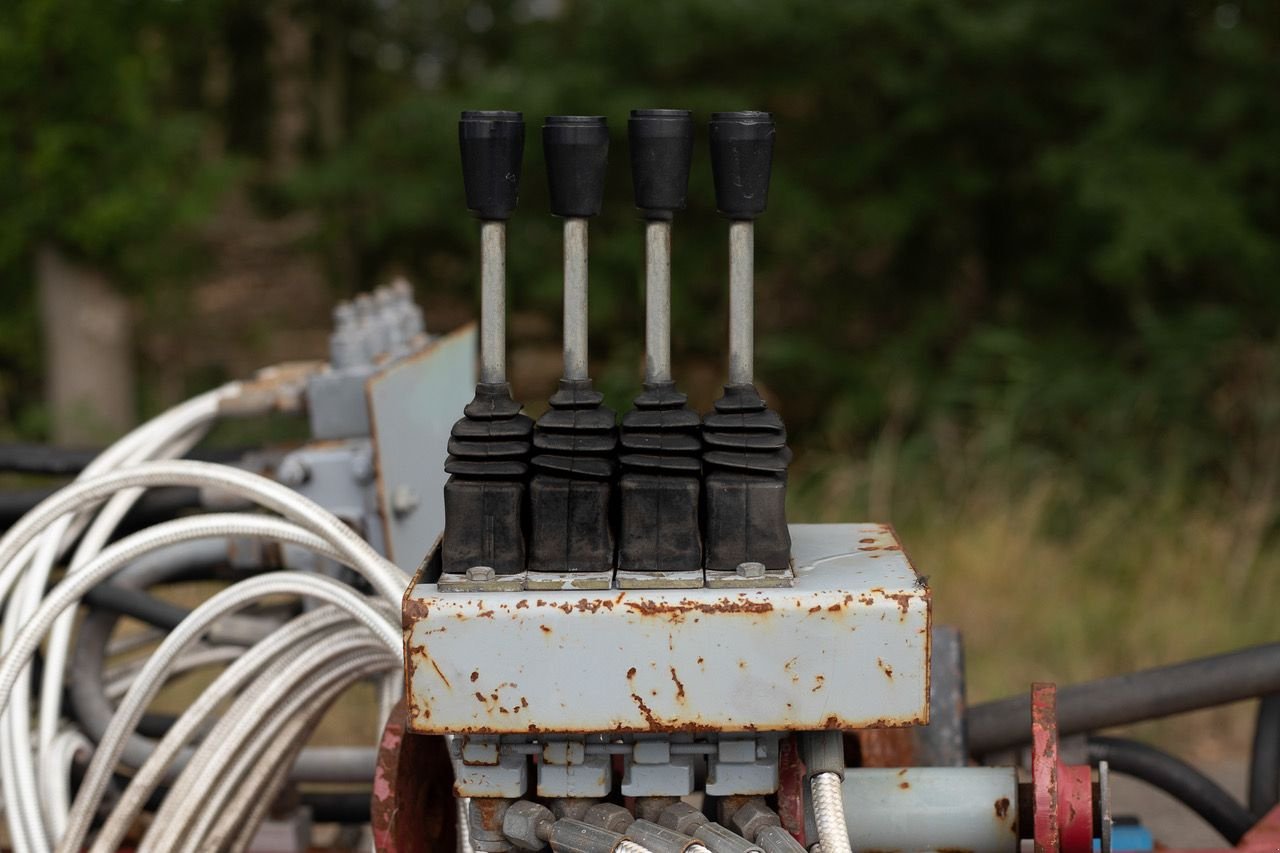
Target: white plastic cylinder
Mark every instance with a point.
(932, 808)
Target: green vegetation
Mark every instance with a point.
(1017, 284)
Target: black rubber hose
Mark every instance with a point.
(54, 461)
(1264, 760)
(1177, 779)
(154, 506)
(23, 458)
(136, 603)
(1144, 695)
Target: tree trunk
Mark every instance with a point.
(88, 348)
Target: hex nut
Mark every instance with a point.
(753, 816)
(649, 808)
(525, 824)
(682, 817)
(609, 816)
(573, 808)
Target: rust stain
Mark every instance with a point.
(885, 668)
(475, 674)
(679, 683)
(1002, 808)
(647, 607)
(522, 604)
(441, 674)
(485, 614)
(835, 608)
(631, 673)
(479, 697)
(904, 785)
(645, 711)
(867, 541)
(546, 629)
(814, 609)
(818, 681)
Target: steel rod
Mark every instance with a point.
(657, 301)
(575, 299)
(493, 301)
(741, 302)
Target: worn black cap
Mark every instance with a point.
(661, 150)
(741, 160)
(492, 143)
(577, 150)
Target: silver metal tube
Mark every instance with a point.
(657, 301)
(493, 302)
(742, 307)
(575, 299)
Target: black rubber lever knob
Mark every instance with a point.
(577, 151)
(741, 160)
(492, 143)
(661, 151)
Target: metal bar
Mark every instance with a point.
(657, 301)
(575, 299)
(493, 301)
(1145, 695)
(742, 302)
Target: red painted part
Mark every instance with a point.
(1044, 767)
(412, 809)
(1063, 817)
(1075, 807)
(791, 788)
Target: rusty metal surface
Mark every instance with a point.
(412, 804)
(1044, 767)
(846, 648)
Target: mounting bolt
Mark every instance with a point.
(293, 471)
(480, 573)
(751, 570)
(404, 500)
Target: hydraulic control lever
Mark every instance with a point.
(574, 441)
(659, 539)
(745, 452)
(489, 446)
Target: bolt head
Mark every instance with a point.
(609, 816)
(751, 570)
(481, 573)
(526, 825)
(404, 500)
(293, 471)
(682, 817)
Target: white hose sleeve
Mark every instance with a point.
(231, 681)
(828, 813)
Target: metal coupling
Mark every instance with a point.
(720, 839)
(574, 836)
(527, 825)
(823, 752)
(660, 839)
(775, 839)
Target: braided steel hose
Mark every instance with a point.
(828, 813)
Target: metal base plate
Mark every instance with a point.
(568, 580)
(451, 582)
(660, 580)
(774, 579)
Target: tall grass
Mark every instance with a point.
(1051, 577)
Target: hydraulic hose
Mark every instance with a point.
(828, 813)
(1176, 778)
(1144, 695)
(1264, 760)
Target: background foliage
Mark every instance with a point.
(1017, 282)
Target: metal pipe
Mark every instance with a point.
(931, 808)
(657, 301)
(1120, 699)
(493, 301)
(742, 302)
(575, 299)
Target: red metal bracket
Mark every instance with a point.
(1063, 817)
